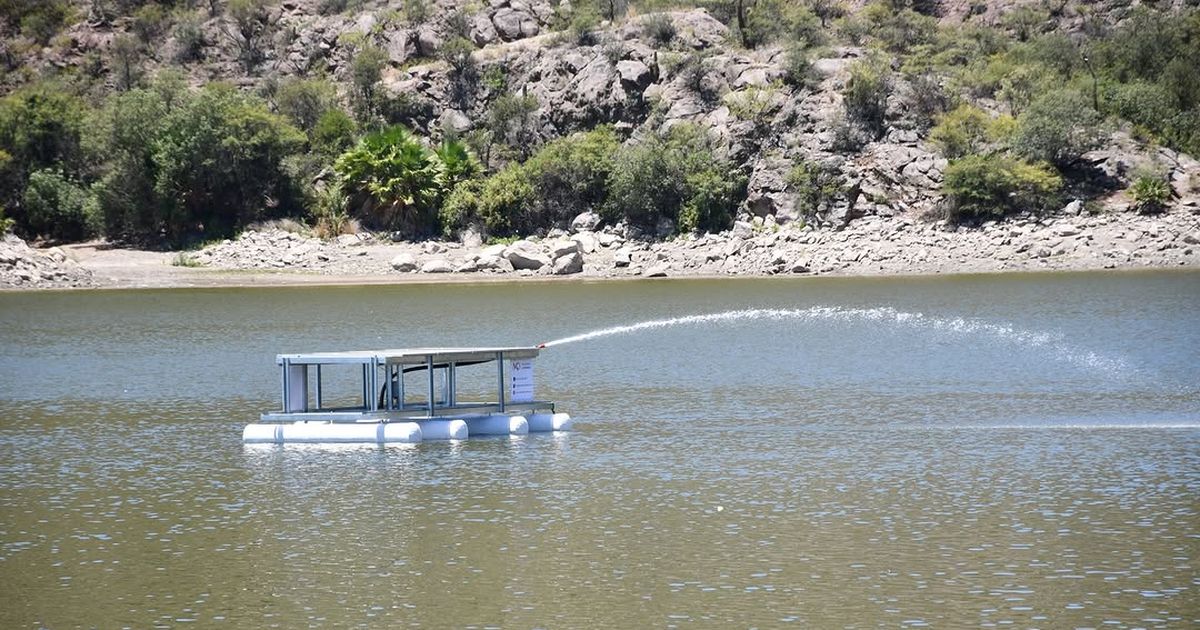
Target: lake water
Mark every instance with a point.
(967, 451)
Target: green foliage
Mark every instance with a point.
(189, 37)
(865, 97)
(365, 72)
(504, 198)
(218, 158)
(416, 11)
(149, 22)
(395, 181)
(659, 29)
(334, 133)
(40, 128)
(57, 208)
(510, 120)
(122, 137)
(765, 21)
(980, 187)
(817, 185)
(462, 207)
(250, 29)
(657, 178)
(39, 20)
(798, 70)
(1058, 127)
(1151, 192)
(899, 29)
(961, 132)
(458, 163)
(564, 178)
(305, 101)
(6, 224)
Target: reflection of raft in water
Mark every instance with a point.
(387, 411)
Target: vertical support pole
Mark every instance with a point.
(287, 367)
(387, 374)
(400, 377)
(373, 402)
(318, 387)
(366, 396)
(452, 385)
(500, 379)
(429, 368)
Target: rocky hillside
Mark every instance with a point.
(829, 111)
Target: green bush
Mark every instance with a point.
(461, 208)
(149, 22)
(305, 101)
(1058, 127)
(659, 29)
(189, 37)
(562, 179)
(58, 208)
(394, 180)
(865, 96)
(458, 163)
(218, 157)
(334, 133)
(657, 178)
(1151, 192)
(122, 137)
(961, 131)
(979, 187)
(817, 186)
(40, 128)
(40, 20)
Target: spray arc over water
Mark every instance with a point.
(1050, 343)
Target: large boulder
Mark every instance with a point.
(585, 221)
(568, 264)
(404, 262)
(561, 248)
(524, 255)
(635, 75)
(512, 24)
(437, 265)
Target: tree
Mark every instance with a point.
(249, 29)
(989, 186)
(218, 158)
(305, 101)
(57, 207)
(509, 119)
(40, 127)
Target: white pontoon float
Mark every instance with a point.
(386, 413)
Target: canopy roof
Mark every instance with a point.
(409, 355)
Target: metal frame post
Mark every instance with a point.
(387, 374)
(286, 368)
(500, 379)
(318, 387)
(429, 367)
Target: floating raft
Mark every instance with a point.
(386, 411)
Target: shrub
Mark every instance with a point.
(189, 37)
(58, 208)
(979, 187)
(365, 72)
(865, 96)
(1059, 127)
(818, 185)
(394, 180)
(961, 132)
(461, 208)
(659, 28)
(122, 137)
(504, 199)
(250, 26)
(458, 163)
(41, 19)
(798, 70)
(509, 119)
(149, 22)
(305, 101)
(659, 177)
(333, 133)
(1151, 192)
(40, 128)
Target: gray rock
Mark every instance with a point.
(1066, 229)
(483, 32)
(512, 24)
(585, 221)
(496, 250)
(470, 237)
(523, 255)
(656, 271)
(561, 248)
(437, 265)
(1075, 207)
(455, 120)
(428, 41)
(635, 76)
(586, 242)
(622, 257)
(404, 262)
(568, 264)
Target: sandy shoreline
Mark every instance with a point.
(870, 247)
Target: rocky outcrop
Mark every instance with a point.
(22, 266)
